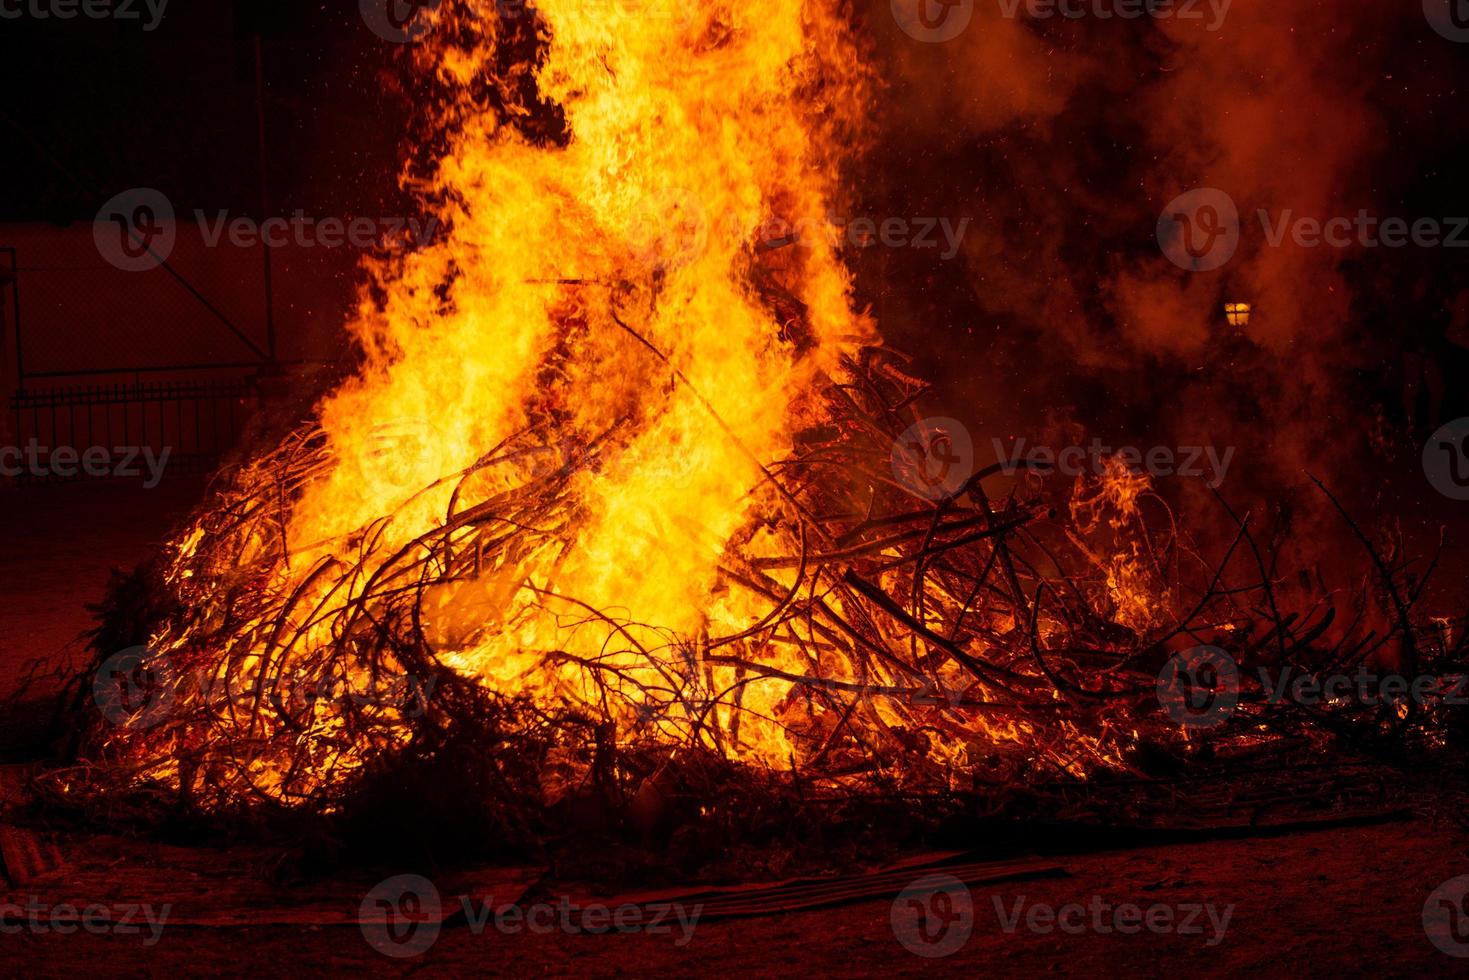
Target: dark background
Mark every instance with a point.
(94, 107)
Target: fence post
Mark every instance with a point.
(9, 353)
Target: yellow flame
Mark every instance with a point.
(689, 132)
(605, 288)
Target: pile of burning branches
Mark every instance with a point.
(917, 634)
(819, 595)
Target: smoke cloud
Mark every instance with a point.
(1064, 139)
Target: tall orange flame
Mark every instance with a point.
(611, 291)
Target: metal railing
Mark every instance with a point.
(86, 422)
(185, 428)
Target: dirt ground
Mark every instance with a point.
(1318, 904)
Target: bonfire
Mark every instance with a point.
(626, 487)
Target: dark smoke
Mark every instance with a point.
(1063, 140)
